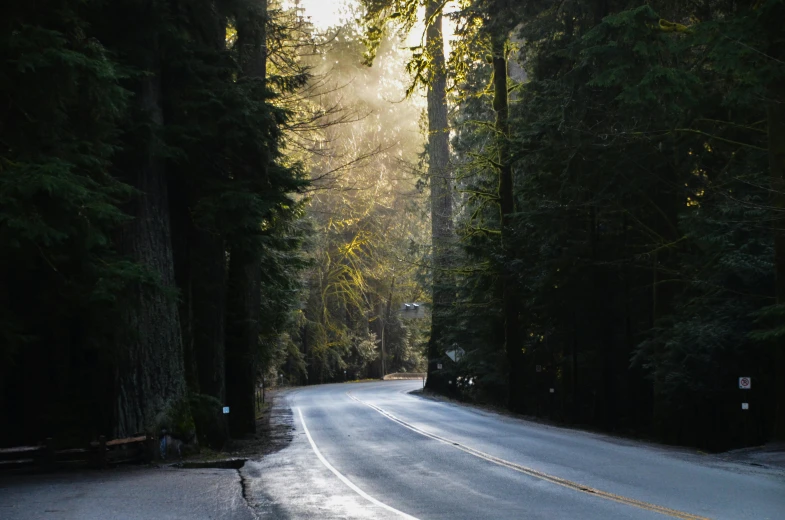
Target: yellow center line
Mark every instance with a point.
(538, 474)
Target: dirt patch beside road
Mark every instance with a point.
(274, 428)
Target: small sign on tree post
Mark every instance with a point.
(455, 353)
(745, 383)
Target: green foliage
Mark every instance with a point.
(70, 128)
(379, 16)
(209, 420)
(62, 113)
(642, 253)
(640, 248)
(365, 216)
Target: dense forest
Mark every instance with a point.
(148, 221)
(201, 197)
(613, 253)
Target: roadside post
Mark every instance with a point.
(552, 402)
(100, 459)
(745, 383)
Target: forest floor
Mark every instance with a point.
(273, 432)
(209, 485)
(771, 455)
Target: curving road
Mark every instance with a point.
(373, 450)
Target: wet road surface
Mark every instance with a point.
(372, 450)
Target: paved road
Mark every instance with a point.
(125, 494)
(375, 451)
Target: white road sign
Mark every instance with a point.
(226, 409)
(745, 383)
(455, 353)
(745, 406)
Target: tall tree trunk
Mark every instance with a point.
(150, 377)
(512, 342)
(182, 255)
(199, 249)
(776, 122)
(244, 284)
(200, 271)
(209, 266)
(385, 321)
(441, 185)
(208, 312)
(242, 339)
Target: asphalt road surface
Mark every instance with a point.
(125, 494)
(373, 450)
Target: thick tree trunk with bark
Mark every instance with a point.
(150, 379)
(441, 186)
(182, 255)
(200, 253)
(208, 312)
(199, 249)
(242, 339)
(200, 271)
(512, 342)
(244, 287)
(776, 122)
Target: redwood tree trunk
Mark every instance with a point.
(512, 342)
(150, 376)
(181, 227)
(776, 122)
(242, 339)
(244, 286)
(200, 271)
(441, 187)
(208, 312)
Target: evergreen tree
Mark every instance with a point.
(132, 157)
(59, 126)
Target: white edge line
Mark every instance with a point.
(345, 480)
